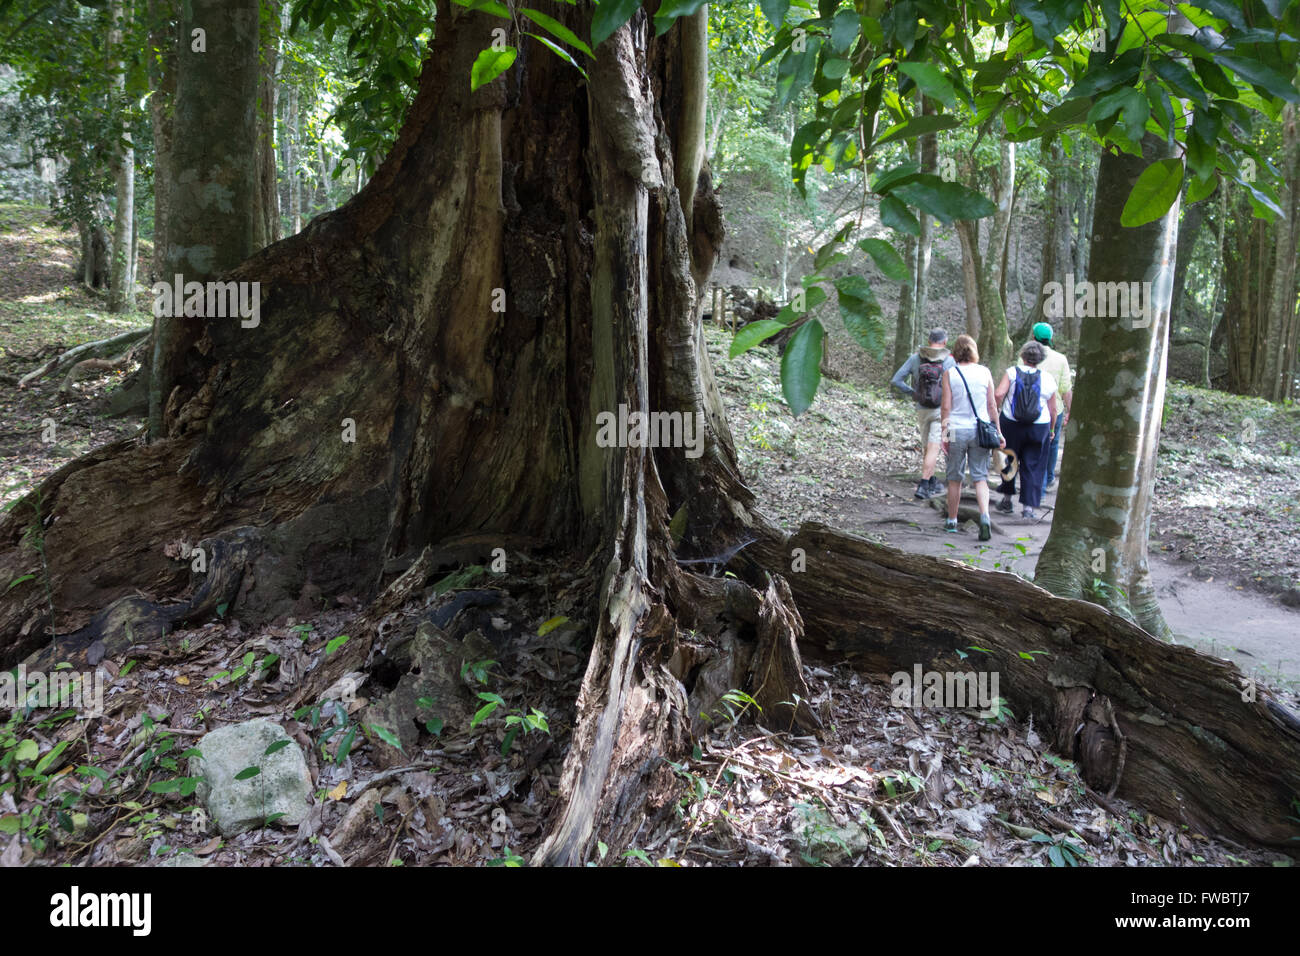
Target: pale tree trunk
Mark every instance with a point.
(162, 83)
(1277, 373)
(1097, 547)
(519, 265)
(905, 331)
(924, 243)
(215, 213)
(1188, 231)
(1056, 234)
(121, 285)
(268, 191)
(292, 193)
(968, 235)
(994, 343)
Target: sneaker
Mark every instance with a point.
(1005, 506)
(1051, 485)
(936, 487)
(923, 489)
(1028, 512)
(950, 525)
(986, 530)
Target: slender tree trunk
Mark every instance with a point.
(993, 342)
(215, 213)
(122, 280)
(1056, 232)
(268, 191)
(924, 243)
(968, 235)
(1188, 231)
(1097, 547)
(162, 83)
(904, 334)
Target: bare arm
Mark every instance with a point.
(945, 409)
(1004, 386)
(992, 404)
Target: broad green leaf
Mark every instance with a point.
(861, 312)
(844, 30)
(1154, 193)
(931, 81)
(609, 16)
(335, 644)
(1215, 80)
(755, 333)
(48, 760)
(801, 371)
(943, 200)
(482, 713)
(164, 786)
(775, 11)
(248, 773)
(275, 747)
(892, 177)
(490, 64)
(19, 580)
(887, 259)
(1106, 77)
(895, 214)
(1264, 77)
(487, 6)
(557, 28)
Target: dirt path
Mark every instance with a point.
(1216, 617)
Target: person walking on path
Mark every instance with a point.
(926, 368)
(1027, 395)
(1058, 366)
(967, 397)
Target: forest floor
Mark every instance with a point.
(883, 785)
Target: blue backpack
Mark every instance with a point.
(1027, 399)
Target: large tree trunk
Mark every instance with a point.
(1097, 547)
(215, 216)
(433, 360)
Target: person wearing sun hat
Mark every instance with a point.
(1058, 366)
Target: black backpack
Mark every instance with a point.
(929, 383)
(1027, 399)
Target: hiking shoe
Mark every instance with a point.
(923, 489)
(986, 530)
(1051, 485)
(1028, 512)
(936, 487)
(950, 525)
(1005, 506)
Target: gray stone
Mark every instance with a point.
(283, 786)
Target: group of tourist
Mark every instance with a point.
(960, 410)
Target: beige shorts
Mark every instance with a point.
(931, 424)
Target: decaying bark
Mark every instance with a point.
(1196, 750)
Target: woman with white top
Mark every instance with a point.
(1027, 438)
(967, 387)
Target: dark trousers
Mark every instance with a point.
(1053, 452)
(1029, 442)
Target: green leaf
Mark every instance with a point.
(1110, 75)
(861, 312)
(609, 16)
(895, 214)
(670, 10)
(755, 333)
(434, 726)
(1181, 80)
(557, 28)
(483, 713)
(221, 609)
(887, 259)
(844, 30)
(17, 581)
(164, 786)
(27, 750)
(47, 761)
(943, 200)
(1154, 193)
(919, 126)
(275, 747)
(801, 366)
(387, 736)
(892, 177)
(1261, 76)
(490, 64)
(931, 81)
(775, 11)
(559, 51)
(509, 739)
(248, 773)
(335, 644)
(275, 816)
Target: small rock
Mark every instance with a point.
(282, 787)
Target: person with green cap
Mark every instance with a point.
(1058, 366)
